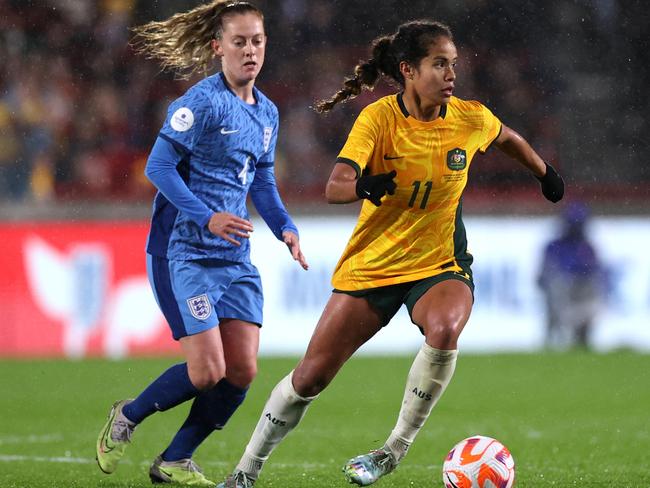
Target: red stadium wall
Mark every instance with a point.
(77, 289)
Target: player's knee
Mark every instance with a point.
(442, 330)
(206, 377)
(309, 380)
(242, 375)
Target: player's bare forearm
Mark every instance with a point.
(515, 146)
(341, 186)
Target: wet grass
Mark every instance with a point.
(570, 419)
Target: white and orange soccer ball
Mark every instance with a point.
(478, 462)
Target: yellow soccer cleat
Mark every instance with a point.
(114, 437)
(182, 472)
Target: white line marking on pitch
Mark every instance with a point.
(8, 458)
(30, 439)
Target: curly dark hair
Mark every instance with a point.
(410, 43)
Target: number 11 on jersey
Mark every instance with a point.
(416, 190)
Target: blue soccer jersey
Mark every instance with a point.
(221, 143)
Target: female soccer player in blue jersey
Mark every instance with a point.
(216, 147)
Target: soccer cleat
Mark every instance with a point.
(113, 438)
(182, 472)
(365, 469)
(238, 479)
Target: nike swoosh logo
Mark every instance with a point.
(104, 447)
(387, 157)
(226, 132)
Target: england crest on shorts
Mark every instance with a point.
(268, 132)
(200, 307)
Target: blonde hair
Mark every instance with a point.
(182, 43)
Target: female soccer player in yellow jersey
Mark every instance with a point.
(408, 155)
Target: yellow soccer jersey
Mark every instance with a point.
(418, 232)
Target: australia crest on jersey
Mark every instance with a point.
(200, 307)
(268, 132)
(457, 159)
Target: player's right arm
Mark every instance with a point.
(341, 186)
(161, 169)
(348, 181)
(187, 119)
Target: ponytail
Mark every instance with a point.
(410, 43)
(183, 42)
(366, 75)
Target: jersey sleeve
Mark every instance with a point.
(161, 171)
(491, 129)
(361, 141)
(187, 119)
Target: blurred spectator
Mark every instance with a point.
(10, 155)
(573, 282)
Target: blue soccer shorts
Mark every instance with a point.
(195, 295)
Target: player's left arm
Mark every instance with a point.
(515, 146)
(293, 243)
(267, 201)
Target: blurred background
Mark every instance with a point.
(79, 112)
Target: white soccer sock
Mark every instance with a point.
(430, 374)
(282, 412)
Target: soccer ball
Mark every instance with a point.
(478, 462)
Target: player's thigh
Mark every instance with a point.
(184, 291)
(243, 298)
(240, 345)
(442, 312)
(204, 354)
(240, 317)
(346, 323)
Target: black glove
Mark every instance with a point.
(374, 187)
(552, 184)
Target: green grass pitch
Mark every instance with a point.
(570, 419)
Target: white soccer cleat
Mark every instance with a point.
(365, 469)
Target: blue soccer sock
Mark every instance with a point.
(171, 388)
(210, 411)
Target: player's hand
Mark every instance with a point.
(293, 243)
(552, 184)
(374, 187)
(225, 225)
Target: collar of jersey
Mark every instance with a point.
(247, 105)
(419, 123)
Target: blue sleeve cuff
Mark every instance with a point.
(291, 227)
